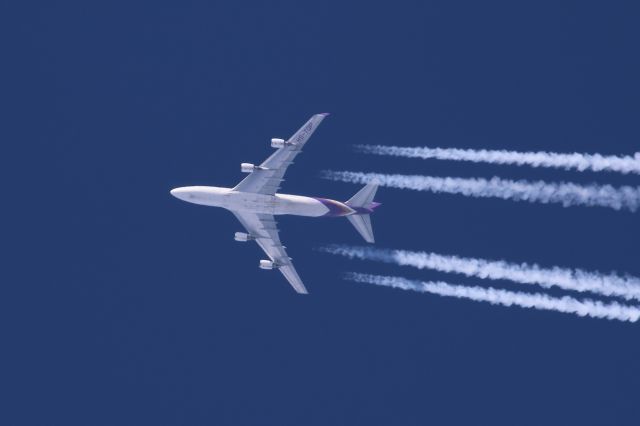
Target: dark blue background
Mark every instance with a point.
(122, 305)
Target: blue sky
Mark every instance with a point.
(122, 305)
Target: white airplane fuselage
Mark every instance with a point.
(278, 204)
(254, 202)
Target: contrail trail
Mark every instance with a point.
(567, 194)
(566, 279)
(566, 304)
(576, 161)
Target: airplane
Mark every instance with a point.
(255, 201)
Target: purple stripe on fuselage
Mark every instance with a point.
(336, 208)
(366, 210)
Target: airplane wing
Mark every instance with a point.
(263, 228)
(267, 180)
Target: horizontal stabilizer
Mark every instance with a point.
(362, 223)
(364, 197)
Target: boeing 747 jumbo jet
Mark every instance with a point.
(255, 202)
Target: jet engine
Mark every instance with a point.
(242, 237)
(250, 168)
(267, 264)
(278, 143)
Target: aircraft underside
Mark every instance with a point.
(278, 204)
(255, 202)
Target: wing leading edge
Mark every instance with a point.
(267, 181)
(263, 228)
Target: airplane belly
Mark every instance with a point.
(298, 206)
(249, 202)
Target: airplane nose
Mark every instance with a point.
(183, 193)
(177, 192)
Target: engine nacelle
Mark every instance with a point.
(278, 143)
(267, 264)
(242, 237)
(247, 167)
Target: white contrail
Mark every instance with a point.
(567, 279)
(576, 161)
(566, 304)
(567, 194)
